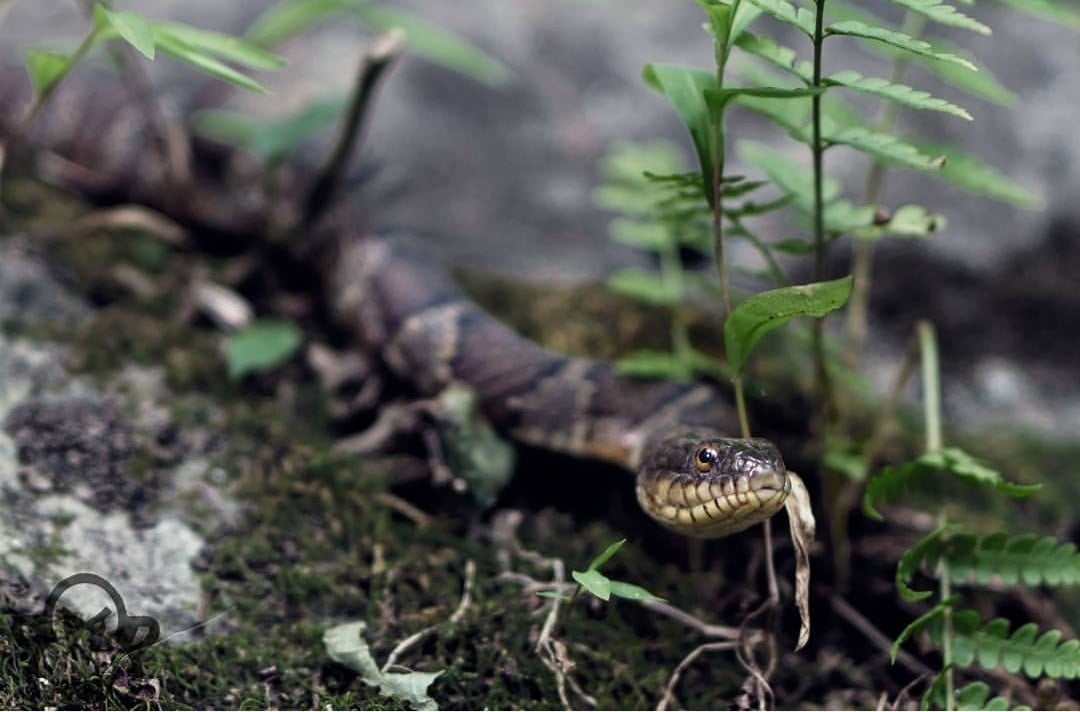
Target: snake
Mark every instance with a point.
(689, 475)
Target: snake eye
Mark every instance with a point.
(705, 458)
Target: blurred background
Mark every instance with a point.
(499, 176)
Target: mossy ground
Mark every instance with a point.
(320, 542)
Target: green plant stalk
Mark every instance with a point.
(818, 154)
(931, 386)
(862, 264)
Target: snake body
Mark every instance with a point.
(690, 477)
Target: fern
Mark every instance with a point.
(1026, 559)
(895, 481)
(991, 644)
(976, 696)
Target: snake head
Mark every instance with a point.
(707, 487)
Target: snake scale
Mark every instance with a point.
(690, 477)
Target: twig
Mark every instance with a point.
(421, 518)
(455, 618)
(669, 691)
(858, 621)
(709, 630)
(375, 61)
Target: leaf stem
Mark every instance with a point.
(818, 154)
(931, 384)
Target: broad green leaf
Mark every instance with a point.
(219, 45)
(893, 481)
(289, 18)
(170, 45)
(786, 12)
(761, 313)
(971, 173)
(604, 556)
(131, 26)
(631, 592)
(785, 58)
(943, 14)
(345, 644)
(46, 68)
(896, 39)
(261, 346)
(685, 88)
(886, 147)
(594, 582)
(899, 93)
(435, 44)
(644, 286)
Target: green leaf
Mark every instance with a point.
(1025, 559)
(718, 99)
(905, 221)
(170, 45)
(647, 363)
(911, 560)
(971, 173)
(719, 27)
(129, 25)
(1052, 10)
(217, 44)
(685, 88)
(345, 644)
(646, 287)
(784, 11)
(261, 346)
(793, 246)
(976, 696)
(289, 18)
(789, 175)
(920, 623)
(785, 58)
(271, 141)
(631, 592)
(604, 556)
(886, 147)
(991, 644)
(943, 14)
(435, 44)
(761, 313)
(594, 582)
(896, 39)
(553, 594)
(898, 93)
(894, 481)
(46, 68)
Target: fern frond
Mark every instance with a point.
(894, 481)
(905, 221)
(898, 93)
(884, 146)
(1027, 558)
(943, 14)
(788, 13)
(899, 40)
(991, 644)
(976, 696)
(775, 54)
(969, 172)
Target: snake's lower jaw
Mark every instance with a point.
(712, 508)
